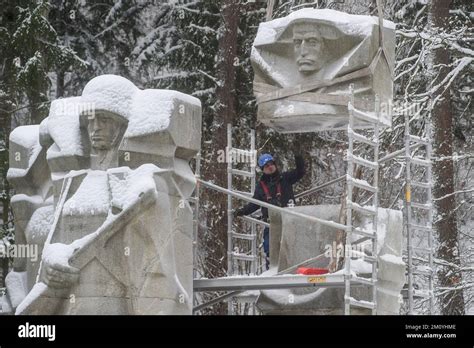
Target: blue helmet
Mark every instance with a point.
(264, 159)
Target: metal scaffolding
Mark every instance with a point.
(235, 284)
(371, 212)
(424, 267)
(239, 254)
(344, 279)
(233, 253)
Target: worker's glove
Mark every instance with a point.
(238, 212)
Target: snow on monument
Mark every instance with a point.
(304, 64)
(293, 241)
(117, 231)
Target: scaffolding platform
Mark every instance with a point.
(242, 283)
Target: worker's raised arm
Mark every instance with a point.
(296, 174)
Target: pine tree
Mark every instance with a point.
(104, 34)
(7, 104)
(37, 51)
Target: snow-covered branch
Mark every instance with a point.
(449, 78)
(453, 193)
(216, 81)
(206, 29)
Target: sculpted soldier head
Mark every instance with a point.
(107, 101)
(308, 47)
(104, 130)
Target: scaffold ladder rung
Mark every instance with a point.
(243, 257)
(365, 116)
(361, 161)
(421, 227)
(361, 138)
(361, 240)
(422, 272)
(361, 303)
(241, 151)
(421, 206)
(244, 236)
(422, 293)
(362, 184)
(256, 221)
(242, 172)
(425, 250)
(361, 209)
(418, 140)
(365, 281)
(420, 162)
(366, 233)
(425, 185)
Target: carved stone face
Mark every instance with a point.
(103, 131)
(308, 46)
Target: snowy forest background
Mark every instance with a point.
(51, 49)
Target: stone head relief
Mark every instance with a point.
(304, 64)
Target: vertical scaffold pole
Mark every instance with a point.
(408, 213)
(375, 202)
(252, 185)
(196, 211)
(350, 174)
(429, 199)
(229, 211)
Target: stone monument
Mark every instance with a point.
(305, 62)
(293, 241)
(112, 180)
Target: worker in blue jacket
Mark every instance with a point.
(275, 188)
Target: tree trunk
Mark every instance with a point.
(60, 84)
(5, 189)
(216, 170)
(443, 173)
(6, 105)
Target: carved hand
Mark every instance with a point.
(59, 276)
